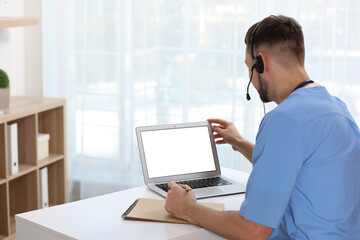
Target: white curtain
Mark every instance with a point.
(123, 64)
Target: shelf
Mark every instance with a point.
(23, 196)
(2, 180)
(51, 159)
(4, 227)
(8, 22)
(11, 237)
(23, 169)
(3, 167)
(20, 192)
(52, 122)
(24, 106)
(57, 183)
(27, 140)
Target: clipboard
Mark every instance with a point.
(146, 209)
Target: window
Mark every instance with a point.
(123, 64)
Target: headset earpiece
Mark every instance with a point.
(258, 64)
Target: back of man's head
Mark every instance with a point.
(279, 36)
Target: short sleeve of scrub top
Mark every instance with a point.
(276, 164)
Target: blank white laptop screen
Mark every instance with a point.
(178, 151)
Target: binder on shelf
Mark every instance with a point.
(44, 190)
(13, 155)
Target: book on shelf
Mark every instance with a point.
(13, 154)
(44, 189)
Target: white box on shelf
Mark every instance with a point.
(44, 189)
(12, 145)
(43, 145)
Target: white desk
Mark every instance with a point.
(100, 218)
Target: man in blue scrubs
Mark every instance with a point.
(305, 182)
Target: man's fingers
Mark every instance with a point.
(217, 128)
(185, 187)
(220, 142)
(219, 121)
(171, 184)
(217, 136)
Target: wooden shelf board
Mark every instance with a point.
(25, 106)
(7, 22)
(11, 237)
(23, 169)
(49, 160)
(2, 180)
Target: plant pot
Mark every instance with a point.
(4, 97)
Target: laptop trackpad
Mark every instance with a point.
(208, 192)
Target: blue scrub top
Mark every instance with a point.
(305, 181)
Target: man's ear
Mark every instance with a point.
(265, 59)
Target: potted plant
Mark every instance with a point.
(4, 90)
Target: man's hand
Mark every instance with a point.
(226, 132)
(228, 224)
(179, 201)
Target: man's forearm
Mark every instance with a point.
(228, 224)
(246, 148)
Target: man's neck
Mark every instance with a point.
(289, 81)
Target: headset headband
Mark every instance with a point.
(252, 40)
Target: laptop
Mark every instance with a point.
(184, 153)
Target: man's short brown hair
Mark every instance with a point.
(280, 34)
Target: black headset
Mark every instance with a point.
(258, 62)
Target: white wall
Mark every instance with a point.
(21, 48)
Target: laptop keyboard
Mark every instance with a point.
(198, 183)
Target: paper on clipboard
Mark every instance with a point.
(146, 209)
